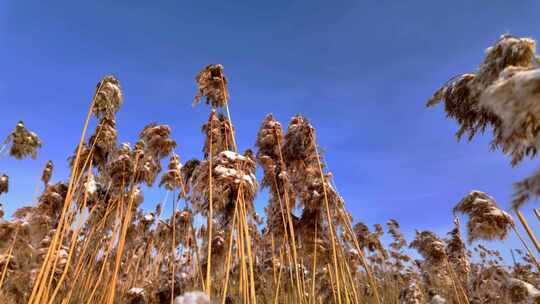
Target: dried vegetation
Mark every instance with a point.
(87, 239)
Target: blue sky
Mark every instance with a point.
(360, 70)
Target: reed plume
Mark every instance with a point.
(47, 173)
(108, 98)
(23, 142)
(4, 183)
(212, 86)
(486, 220)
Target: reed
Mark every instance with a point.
(88, 240)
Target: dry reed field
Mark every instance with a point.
(87, 240)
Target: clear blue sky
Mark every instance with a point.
(360, 70)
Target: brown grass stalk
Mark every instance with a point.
(229, 250)
(331, 226)
(528, 229)
(289, 219)
(527, 248)
(8, 260)
(39, 284)
(210, 220)
(173, 249)
(276, 293)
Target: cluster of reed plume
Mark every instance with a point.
(87, 240)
